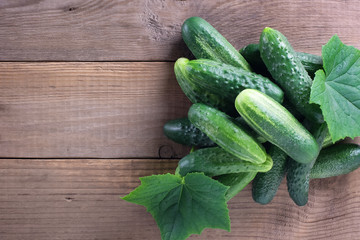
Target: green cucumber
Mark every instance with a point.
(226, 80)
(217, 84)
(276, 124)
(265, 185)
(292, 110)
(327, 141)
(194, 92)
(298, 174)
(222, 129)
(242, 124)
(204, 41)
(236, 182)
(336, 160)
(287, 70)
(216, 161)
(251, 53)
(311, 62)
(182, 131)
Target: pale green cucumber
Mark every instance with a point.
(272, 121)
(222, 129)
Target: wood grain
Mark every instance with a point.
(149, 30)
(104, 110)
(79, 199)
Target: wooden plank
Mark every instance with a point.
(104, 110)
(79, 199)
(149, 30)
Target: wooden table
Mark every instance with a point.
(85, 88)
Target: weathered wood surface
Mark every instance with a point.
(104, 110)
(116, 110)
(79, 199)
(144, 30)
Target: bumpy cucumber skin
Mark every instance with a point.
(236, 182)
(298, 179)
(298, 174)
(311, 62)
(251, 53)
(336, 160)
(227, 80)
(266, 184)
(221, 129)
(272, 121)
(216, 161)
(287, 70)
(204, 41)
(196, 93)
(182, 131)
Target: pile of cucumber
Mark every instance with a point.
(251, 118)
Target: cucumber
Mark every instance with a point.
(204, 41)
(194, 92)
(336, 160)
(251, 53)
(222, 129)
(242, 124)
(276, 124)
(225, 80)
(236, 182)
(311, 62)
(298, 174)
(182, 131)
(265, 185)
(216, 161)
(327, 141)
(292, 110)
(287, 70)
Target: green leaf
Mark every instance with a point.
(182, 206)
(337, 89)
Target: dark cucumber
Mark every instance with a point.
(287, 70)
(204, 41)
(292, 110)
(266, 184)
(227, 80)
(224, 81)
(311, 62)
(216, 161)
(336, 160)
(298, 174)
(236, 182)
(251, 53)
(182, 131)
(223, 130)
(277, 125)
